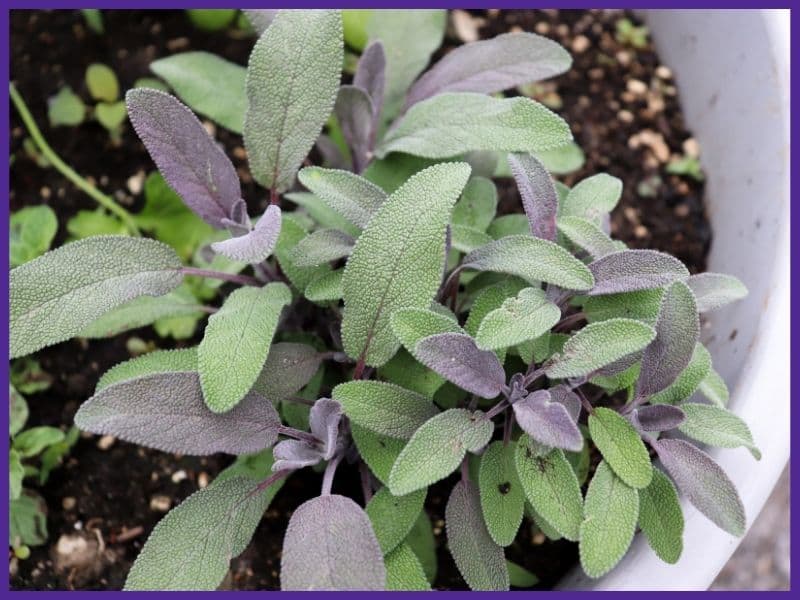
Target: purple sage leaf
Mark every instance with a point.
(330, 545)
(294, 454)
(715, 290)
(705, 484)
(256, 246)
(371, 77)
(324, 420)
(539, 197)
(658, 417)
(490, 66)
(356, 115)
(457, 358)
(166, 411)
(563, 395)
(631, 270)
(677, 332)
(192, 163)
(548, 422)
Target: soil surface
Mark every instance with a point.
(623, 108)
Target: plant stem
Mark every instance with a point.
(359, 370)
(586, 404)
(232, 277)
(105, 201)
(277, 476)
(532, 376)
(497, 408)
(299, 400)
(465, 469)
(298, 435)
(330, 471)
(366, 483)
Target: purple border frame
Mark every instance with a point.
(410, 4)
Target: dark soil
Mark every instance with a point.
(107, 491)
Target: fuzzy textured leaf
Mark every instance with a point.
(715, 290)
(192, 163)
(355, 114)
(525, 317)
(158, 361)
(378, 451)
(139, 312)
(333, 534)
(661, 517)
(479, 559)
(455, 123)
(704, 482)
(610, 515)
(404, 572)
(411, 325)
(237, 341)
(456, 357)
(631, 270)
(502, 498)
(397, 261)
(717, 427)
(350, 195)
(321, 246)
(384, 408)
(533, 259)
(393, 516)
(292, 82)
(288, 368)
(550, 485)
(58, 294)
(437, 448)
(587, 236)
(642, 305)
(677, 332)
(538, 194)
(165, 411)
(210, 85)
(597, 345)
(592, 198)
(493, 65)
(688, 381)
(478, 204)
(547, 421)
(659, 417)
(254, 246)
(621, 447)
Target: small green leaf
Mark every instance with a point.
(160, 361)
(410, 325)
(506, 225)
(326, 287)
(321, 213)
(208, 84)
(550, 485)
(437, 448)
(18, 411)
(31, 231)
(349, 195)
(525, 317)
(404, 370)
(490, 298)
(32, 441)
(91, 223)
(94, 19)
(55, 296)
(211, 19)
(192, 546)
(466, 239)
(27, 520)
(422, 542)
(300, 53)
(140, 312)
(642, 305)
(661, 517)
(65, 108)
(289, 367)
(355, 28)
(520, 577)
(152, 83)
(384, 408)
(592, 198)
(598, 345)
(478, 204)
(111, 115)
(611, 512)
(16, 473)
(321, 246)
(102, 83)
(292, 231)
(714, 388)
(404, 570)
(479, 559)
(393, 516)
(621, 447)
(502, 498)
(717, 427)
(378, 451)
(450, 124)
(533, 259)
(397, 261)
(236, 343)
(587, 236)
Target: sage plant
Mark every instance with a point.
(493, 352)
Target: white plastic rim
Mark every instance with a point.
(732, 71)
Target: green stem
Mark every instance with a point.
(63, 168)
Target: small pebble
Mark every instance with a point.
(105, 442)
(202, 480)
(623, 58)
(135, 183)
(691, 148)
(538, 538)
(637, 87)
(179, 476)
(640, 231)
(210, 128)
(160, 503)
(68, 502)
(176, 44)
(596, 73)
(542, 28)
(682, 211)
(625, 116)
(663, 72)
(45, 192)
(580, 44)
(466, 26)
(240, 153)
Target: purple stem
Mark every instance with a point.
(497, 408)
(366, 483)
(330, 471)
(298, 435)
(465, 469)
(232, 277)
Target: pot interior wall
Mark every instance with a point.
(732, 73)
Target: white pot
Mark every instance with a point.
(732, 70)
